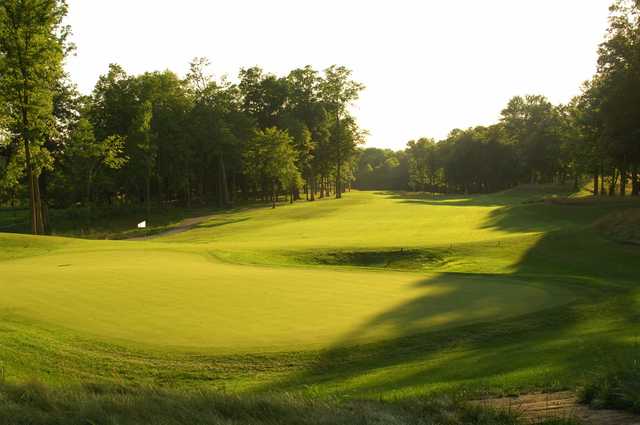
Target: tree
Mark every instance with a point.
(218, 126)
(141, 134)
(381, 169)
(338, 91)
(87, 155)
(270, 160)
(423, 164)
(532, 124)
(32, 48)
(619, 94)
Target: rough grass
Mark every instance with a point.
(35, 404)
(622, 226)
(615, 384)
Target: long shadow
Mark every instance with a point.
(524, 194)
(549, 348)
(445, 200)
(219, 223)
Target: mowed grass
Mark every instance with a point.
(179, 299)
(377, 294)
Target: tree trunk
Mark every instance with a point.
(32, 192)
(614, 181)
(273, 195)
(148, 189)
(338, 157)
(224, 189)
(313, 188)
(635, 183)
(38, 199)
(45, 218)
(623, 179)
(43, 203)
(232, 194)
(187, 188)
(596, 182)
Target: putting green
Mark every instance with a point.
(120, 291)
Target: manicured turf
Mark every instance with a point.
(376, 294)
(166, 298)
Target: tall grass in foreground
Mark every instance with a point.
(35, 404)
(616, 385)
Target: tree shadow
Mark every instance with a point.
(215, 222)
(545, 349)
(420, 198)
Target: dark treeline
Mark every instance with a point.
(158, 138)
(597, 134)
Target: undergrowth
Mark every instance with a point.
(616, 384)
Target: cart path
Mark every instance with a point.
(183, 226)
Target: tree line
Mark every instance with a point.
(158, 138)
(596, 134)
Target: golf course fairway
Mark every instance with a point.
(380, 294)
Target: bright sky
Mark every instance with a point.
(429, 65)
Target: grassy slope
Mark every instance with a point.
(447, 324)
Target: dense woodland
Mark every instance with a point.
(157, 138)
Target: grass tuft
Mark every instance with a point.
(616, 385)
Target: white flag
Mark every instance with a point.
(142, 224)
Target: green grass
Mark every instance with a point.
(156, 296)
(114, 405)
(378, 295)
(615, 383)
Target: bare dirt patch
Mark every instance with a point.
(536, 408)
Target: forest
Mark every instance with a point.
(160, 139)
(595, 135)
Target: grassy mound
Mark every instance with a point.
(622, 226)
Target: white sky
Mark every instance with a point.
(429, 65)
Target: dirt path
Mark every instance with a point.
(183, 226)
(537, 407)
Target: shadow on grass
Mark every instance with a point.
(218, 223)
(436, 199)
(543, 350)
(523, 194)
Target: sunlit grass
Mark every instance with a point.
(380, 295)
